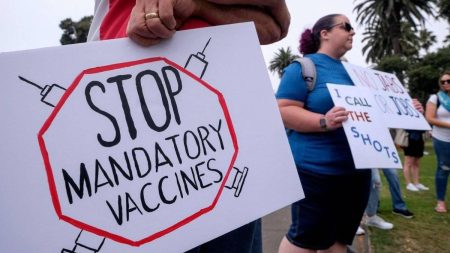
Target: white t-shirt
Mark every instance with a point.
(440, 133)
(100, 11)
(110, 19)
(101, 8)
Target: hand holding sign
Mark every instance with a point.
(370, 141)
(417, 105)
(335, 117)
(139, 150)
(153, 20)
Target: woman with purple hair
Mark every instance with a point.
(336, 193)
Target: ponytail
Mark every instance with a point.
(310, 39)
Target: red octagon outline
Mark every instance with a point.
(48, 168)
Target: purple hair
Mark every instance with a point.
(310, 39)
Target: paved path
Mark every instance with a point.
(275, 225)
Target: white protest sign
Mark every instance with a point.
(391, 98)
(171, 150)
(118, 148)
(368, 137)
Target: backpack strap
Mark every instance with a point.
(438, 102)
(308, 72)
(309, 75)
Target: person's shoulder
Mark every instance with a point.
(293, 67)
(433, 98)
(313, 56)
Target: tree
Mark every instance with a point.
(394, 64)
(444, 9)
(281, 60)
(444, 12)
(378, 45)
(424, 75)
(390, 20)
(75, 32)
(375, 44)
(426, 39)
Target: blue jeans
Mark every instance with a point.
(246, 239)
(394, 188)
(442, 150)
(374, 196)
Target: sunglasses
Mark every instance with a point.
(345, 26)
(445, 81)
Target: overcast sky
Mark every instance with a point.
(29, 24)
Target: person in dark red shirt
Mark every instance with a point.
(147, 22)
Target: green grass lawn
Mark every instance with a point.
(428, 231)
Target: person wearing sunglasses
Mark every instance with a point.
(344, 25)
(336, 193)
(438, 114)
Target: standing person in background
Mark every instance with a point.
(438, 114)
(398, 204)
(335, 192)
(148, 22)
(372, 206)
(413, 154)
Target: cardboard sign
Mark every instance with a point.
(112, 147)
(143, 147)
(391, 98)
(368, 137)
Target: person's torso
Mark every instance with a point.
(323, 152)
(440, 133)
(111, 20)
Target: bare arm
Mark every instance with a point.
(268, 30)
(430, 115)
(417, 105)
(301, 120)
(172, 13)
(277, 8)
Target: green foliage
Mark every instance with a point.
(424, 75)
(428, 231)
(394, 64)
(426, 39)
(391, 26)
(421, 75)
(395, 35)
(75, 32)
(444, 9)
(281, 60)
(376, 45)
(411, 11)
